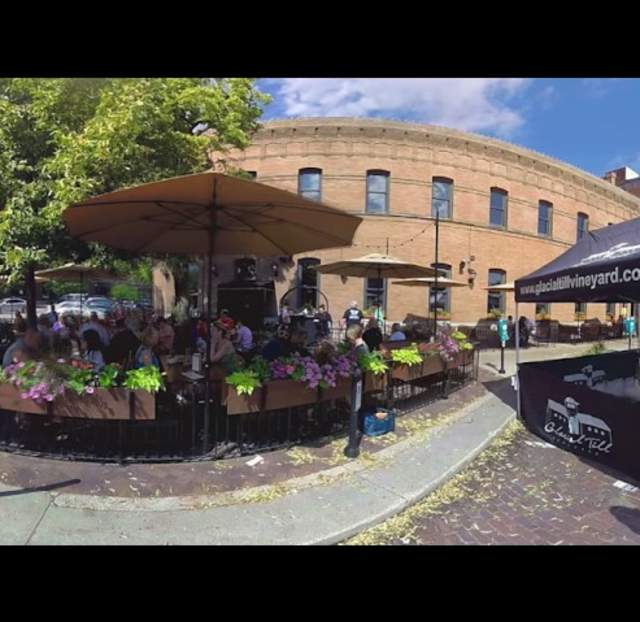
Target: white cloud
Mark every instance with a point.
(597, 87)
(473, 104)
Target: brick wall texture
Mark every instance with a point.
(345, 149)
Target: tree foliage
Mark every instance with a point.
(63, 140)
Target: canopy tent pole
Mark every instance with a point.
(435, 277)
(207, 358)
(517, 359)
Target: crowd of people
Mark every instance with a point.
(132, 340)
(137, 338)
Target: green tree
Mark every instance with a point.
(63, 140)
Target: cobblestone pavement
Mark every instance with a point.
(520, 491)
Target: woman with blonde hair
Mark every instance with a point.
(145, 355)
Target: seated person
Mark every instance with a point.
(166, 336)
(24, 348)
(354, 337)
(20, 324)
(297, 344)
(225, 320)
(94, 324)
(278, 345)
(373, 335)
(145, 355)
(123, 346)
(396, 333)
(244, 337)
(93, 349)
(223, 354)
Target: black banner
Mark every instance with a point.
(587, 405)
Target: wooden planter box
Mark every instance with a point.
(341, 391)
(375, 382)
(274, 395)
(103, 404)
(432, 365)
(462, 358)
(407, 372)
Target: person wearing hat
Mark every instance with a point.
(225, 320)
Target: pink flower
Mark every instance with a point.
(90, 390)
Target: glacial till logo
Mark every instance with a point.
(577, 430)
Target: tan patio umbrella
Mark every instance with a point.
(73, 272)
(210, 214)
(430, 282)
(503, 287)
(376, 266)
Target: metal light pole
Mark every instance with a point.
(435, 278)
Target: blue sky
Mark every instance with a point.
(590, 123)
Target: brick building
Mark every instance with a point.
(505, 210)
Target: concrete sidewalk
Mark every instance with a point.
(324, 508)
(490, 359)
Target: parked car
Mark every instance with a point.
(69, 307)
(11, 305)
(74, 298)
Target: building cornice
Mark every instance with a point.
(422, 134)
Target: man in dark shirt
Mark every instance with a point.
(325, 321)
(123, 345)
(352, 315)
(373, 335)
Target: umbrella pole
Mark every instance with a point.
(207, 364)
(517, 360)
(435, 278)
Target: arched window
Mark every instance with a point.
(377, 192)
(442, 197)
(545, 218)
(498, 208)
(440, 297)
(310, 183)
(308, 281)
(583, 225)
(496, 300)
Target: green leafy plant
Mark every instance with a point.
(245, 381)
(146, 378)
(78, 379)
(373, 363)
(108, 376)
(407, 356)
(261, 368)
(123, 291)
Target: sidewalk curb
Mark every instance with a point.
(407, 502)
(245, 495)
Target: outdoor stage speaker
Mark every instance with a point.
(245, 269)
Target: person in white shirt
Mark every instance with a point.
(93, 349)
(94, 324)
(397, 334)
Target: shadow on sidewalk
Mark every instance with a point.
(502, 389)
(45, 488)
(627, 516)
